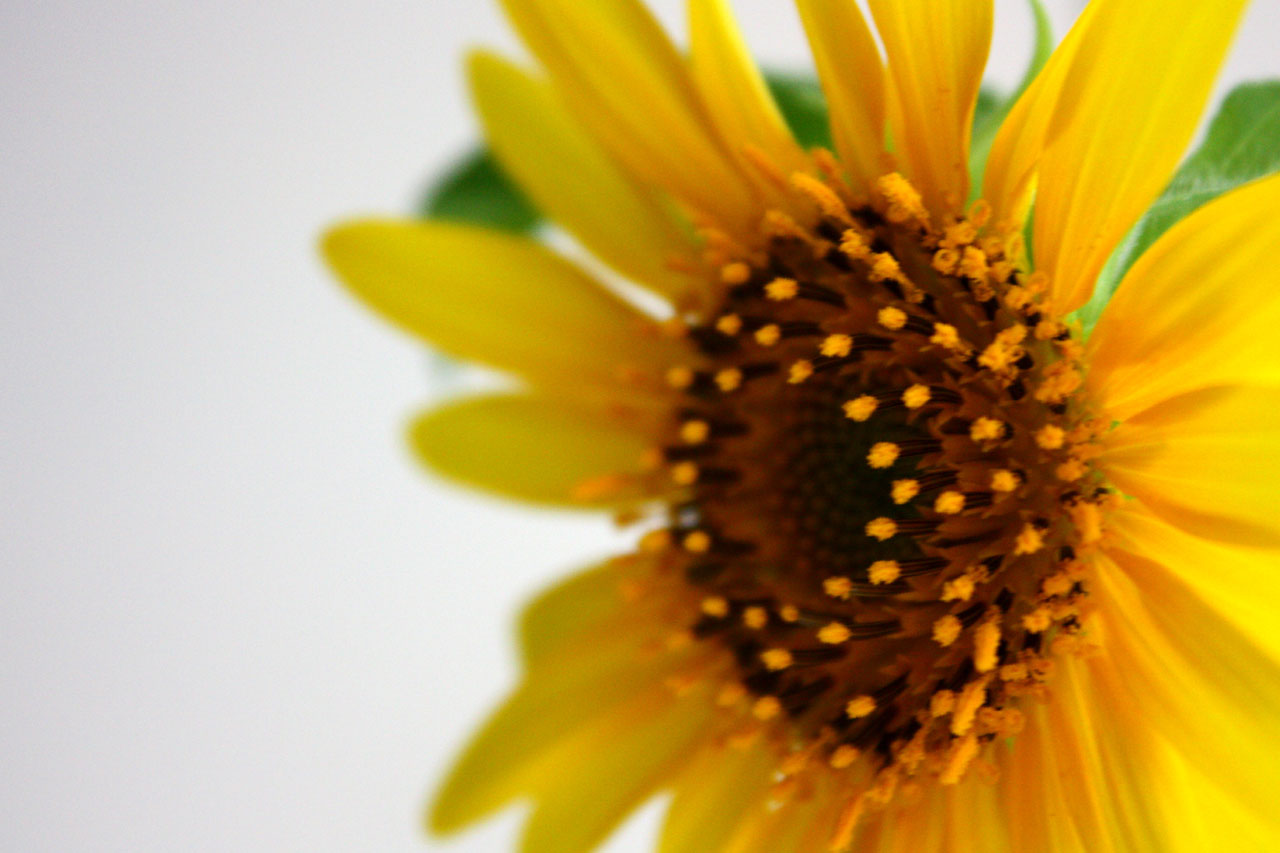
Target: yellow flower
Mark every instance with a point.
(1074, 646)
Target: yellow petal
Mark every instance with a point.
(852, 76)
(1015, 153)
(937, 50)
(577, 810)
(554, 721)
(1243, 585)
(621, 75)
(733, 89)
(497, 299)
(573, 181)
(562, 614)
(1207, 462)
(1200, 308)
(1191, 677)
(1123, 120)
(712, 797)
(538, 449)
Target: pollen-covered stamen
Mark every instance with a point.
(875, 517)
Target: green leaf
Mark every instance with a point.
(800, 98)
(1241, 145)
(993, 107)
(475, 190)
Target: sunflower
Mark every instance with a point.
(918, 566)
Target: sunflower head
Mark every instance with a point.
(915, 559)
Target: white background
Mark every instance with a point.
(233, 615)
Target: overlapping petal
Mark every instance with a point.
(1123, 119)
(500, 300)
(1199, 309)
(574, 182)
(1205, 461)
(621, 75)
(937, 50)
(853, 79)
(540, 449)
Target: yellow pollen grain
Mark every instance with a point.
(1028, 541)
(882, 528)
(729, 324)
(729, 379)
(800, 371)
(971, 698)
(755, 617)
(860, 409)
(904, 491)
(684, 473)
(947, 336)
(789, 613)
(697, 542)
(949, 502)
(946, 261)
(1038, 620)
(980, 213)
(680, 378)
(942, 703)
(1051, 437)
(767, 336)
(837, 587)
(855, 246)
(730, 694)
(859, 707)
(776, 660)
(766, 708)
(960, 234)
(655, 541)
(837, 346)
(916, 396)
(822, 195)
(1070, 471)
(892, 318)
(903, 201)
(959, 589)
(834, 633)
(782, 289)
(946, 630)
(1003, 480)
(986, 429)
(694, 432)
(973, 263)
(715, 606)
(884, 571)
(959, 757)
(1058, 583)
(883, 454)
(1087, 518)
(1014, 672)
(986, 641)
(843, 756)
(735, 273)
(884, 267)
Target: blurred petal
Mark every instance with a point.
(498, 299)
(537, 449)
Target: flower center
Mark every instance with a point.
(887, 479)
